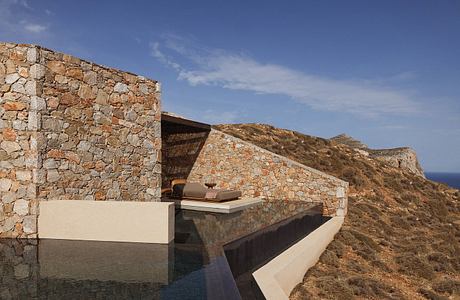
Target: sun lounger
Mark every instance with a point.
(195, 191)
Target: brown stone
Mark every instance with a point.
(102, 97)
(99, 166)
(99, 195)
(72, 157)
(106, 128)
(55, 153)
(86, 102)
(68, 99)
(86, 92)
(88, 165)
(18, 228)
(75, 73)
(17, 55)
(14, 106)
(56, 67)
(9, 134)
(24, 72)
(70, 59)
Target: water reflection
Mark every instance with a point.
(195, 266)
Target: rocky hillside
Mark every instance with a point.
(401, 238)
(404, 158)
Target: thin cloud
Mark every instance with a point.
(219, 117)
(215, 67)
(18, 19)
(35, 28)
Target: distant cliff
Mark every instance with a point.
(403, 158)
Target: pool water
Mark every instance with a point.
(212, 257)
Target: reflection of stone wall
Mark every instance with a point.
(179, 152)
(72, 129)
(18, 269)
(233, 163)
(214, 229)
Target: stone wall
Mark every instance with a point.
(19, 157)
(72, 129)
(236, 164)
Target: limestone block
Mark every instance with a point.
(21, 207)
(11, 78)
(30, 224)
(52, 175)
(120, 88)
(23, 175)
(37, 103)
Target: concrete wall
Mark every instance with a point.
(72, 129)
(236, 164)
(278, 278)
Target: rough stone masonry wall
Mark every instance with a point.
(18, 141)
(73, 130)
(236, 164)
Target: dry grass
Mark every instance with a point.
(401, 239)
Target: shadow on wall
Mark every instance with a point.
(181, 145)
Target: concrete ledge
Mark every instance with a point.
(278, 278)
(218, 207)
(116, 221)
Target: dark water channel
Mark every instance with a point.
(212, 257)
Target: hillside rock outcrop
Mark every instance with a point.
(404, 158)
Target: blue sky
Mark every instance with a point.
(387, 72)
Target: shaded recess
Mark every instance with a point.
(182, 141)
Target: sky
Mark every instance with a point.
(384, 72)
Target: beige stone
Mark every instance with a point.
(10, 146)
(86, 92)
(21, 207)
(5, 184)
(23, 175)
(56, 67)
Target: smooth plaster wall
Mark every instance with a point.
(117, 221)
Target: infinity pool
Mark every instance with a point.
(212, 257)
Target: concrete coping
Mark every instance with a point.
(218, 207)
(277, 278)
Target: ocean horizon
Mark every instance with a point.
(451, 179)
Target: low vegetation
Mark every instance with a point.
(401, 238)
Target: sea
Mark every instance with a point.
(451, 179)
